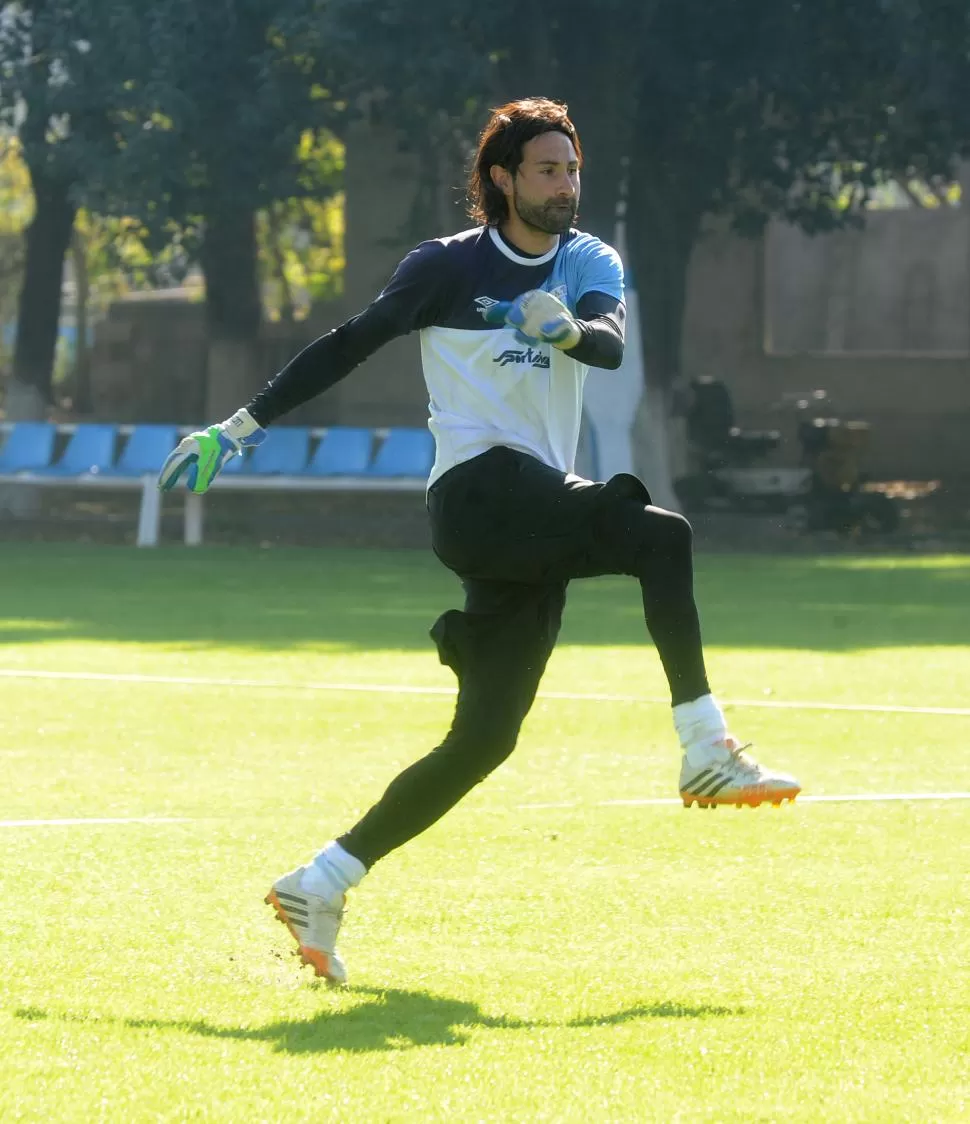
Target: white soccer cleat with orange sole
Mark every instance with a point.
(313, 923)
(729, 775)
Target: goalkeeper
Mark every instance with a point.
(511, 315)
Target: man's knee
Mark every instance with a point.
(478, 743)
(671, 527)
(501, 655)
(638, 535)
(664, 548)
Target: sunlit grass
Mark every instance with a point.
(583, 959)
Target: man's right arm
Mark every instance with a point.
(409, 301)
(323, 363)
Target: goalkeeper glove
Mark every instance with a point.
(537, 316)
(203, 455)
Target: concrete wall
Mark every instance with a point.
(899, 287)
(761, 316)
(148, 362)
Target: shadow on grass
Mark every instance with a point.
(333, 600)
(386, 1019)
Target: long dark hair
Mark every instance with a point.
(510, 127)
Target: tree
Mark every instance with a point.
(188, 118)
(108, 256)
(229, 95)
(62, 92)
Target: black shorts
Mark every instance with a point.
(506, 517)
(516, 531)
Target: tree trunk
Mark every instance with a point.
(39, 311)
(595, 57)
(662, 232)
(233, 307)
(81, 375)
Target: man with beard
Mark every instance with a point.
(511, 315)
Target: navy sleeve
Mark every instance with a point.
(410, 301)
(601, 319)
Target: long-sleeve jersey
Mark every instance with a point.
(485, 386)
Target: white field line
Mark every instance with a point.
(850, 798)
(401, 689)
(92, 820)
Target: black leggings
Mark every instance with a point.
(516, 532)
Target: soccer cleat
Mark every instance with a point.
(731, 776)
(313, 922)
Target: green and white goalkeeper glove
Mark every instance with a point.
(537, 315)
(202, 455)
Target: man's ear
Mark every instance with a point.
(502, 178)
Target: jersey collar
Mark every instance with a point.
(521, 259)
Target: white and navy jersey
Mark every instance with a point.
(485, 386)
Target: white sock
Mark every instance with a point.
(332, 873)
(700, 723)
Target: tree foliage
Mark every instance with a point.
(176, 122)
(62, 92)
(227, 96)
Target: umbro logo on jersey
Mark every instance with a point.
(483, 304)
(529, 356)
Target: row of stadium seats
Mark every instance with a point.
(92, 449)
(292, 458)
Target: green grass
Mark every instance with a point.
(584, 960)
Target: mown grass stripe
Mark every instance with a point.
(402, 689)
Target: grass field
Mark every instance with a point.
(552, 950)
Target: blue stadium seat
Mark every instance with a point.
(146, 450)
(30, 445)
(90, 449)
(405, 452)
(343, 451)
(283, 453)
